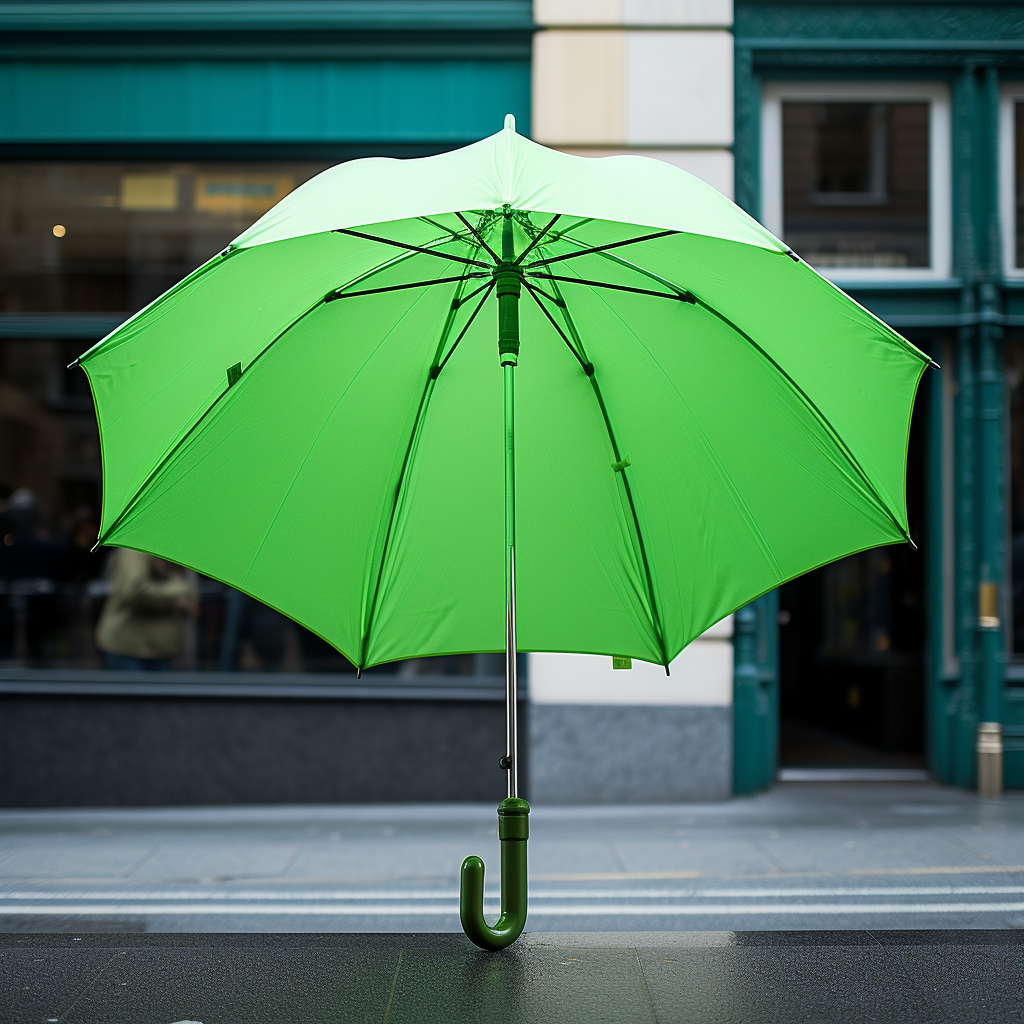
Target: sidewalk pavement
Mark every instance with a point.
(807, 856)
(611, 978)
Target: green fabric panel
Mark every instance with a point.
(284, 490)
(738, 487)
(744, 452)
(857, 370)
(165, 366)
(508, 169)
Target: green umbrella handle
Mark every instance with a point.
(513, 831)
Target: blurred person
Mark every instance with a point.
(140, 627)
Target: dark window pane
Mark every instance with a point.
(855, 183)
(111, 237)
(1018, 181)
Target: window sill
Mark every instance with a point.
(270, 685)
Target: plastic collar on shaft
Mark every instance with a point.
(513, 831)
(508, 280)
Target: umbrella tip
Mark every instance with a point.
(510, 122)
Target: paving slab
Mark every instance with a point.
(591, 978)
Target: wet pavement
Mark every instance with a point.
(803, 856)
(620, 977)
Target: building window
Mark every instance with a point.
(855, 178)
(1011, 177)
(111, 237)
(108, 238)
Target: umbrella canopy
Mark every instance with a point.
(315, 416)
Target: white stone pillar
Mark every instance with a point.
(637, 76)
(604, 735)
(652, 77)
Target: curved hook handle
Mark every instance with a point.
(513, 831)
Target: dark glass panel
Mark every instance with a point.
(855, 183)
(1018, 181)
(111, 237)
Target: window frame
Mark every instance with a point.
(940, 191)
(1010, 93)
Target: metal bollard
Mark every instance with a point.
(990, 759)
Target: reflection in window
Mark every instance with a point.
(111, 237)
(856, 615)
(855, 183)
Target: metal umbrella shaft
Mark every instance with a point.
(509, 282)
(511, 680)
(513, 813)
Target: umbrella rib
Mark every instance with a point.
(339, 294)
(833, 433)
(475, 291)
(588, 369)
(413, 248)
(486, 219)
(466, 326)
(536, 239)
(480, 238)
(211, 264)
(533, 290)
(195, 426)
(622, 262)
(812, 405)
(598, 249)
(421, 410)
(453, 235)
(894, 335)
(540, 291)
(149, 479)
(679, 296)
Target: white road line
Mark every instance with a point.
(328, 895)
(556, 910)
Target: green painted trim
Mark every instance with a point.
(964, 44)
(936, 732)
(883, 22)
(189, 149)
(218, 685)
(747, 144)
(953, 319)
(887, 45)
(949, 284)
(755, 706)
(228, 101)
(267, 15)
(425, 44)
(85, 326)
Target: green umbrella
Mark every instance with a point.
(320, 416)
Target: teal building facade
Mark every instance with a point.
(883, 140)
(911, 651)
(136, 139)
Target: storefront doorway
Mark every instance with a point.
(851, 650)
